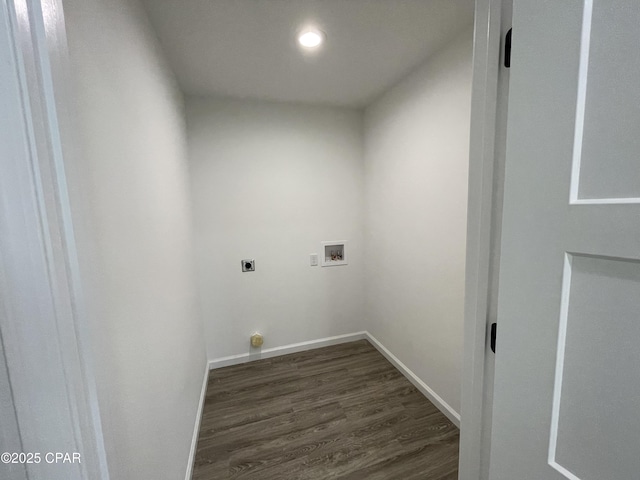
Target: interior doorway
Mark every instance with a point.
(385, 176)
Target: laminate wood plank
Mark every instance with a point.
(229, 416)
(348, 458)
(336, 412)
(298, 444)
(430, 429)
(432, 462)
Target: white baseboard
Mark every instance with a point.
(443, 406)
(422, 387)
(284, 350)
(196, 428)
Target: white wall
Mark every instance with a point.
(416, 174)
(271, 181)
(130, 199)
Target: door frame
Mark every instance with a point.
(480, 216)
(43, 320)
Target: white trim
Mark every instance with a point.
(46, 340)
(562, 338)
(422, 387)
(560, 355)
(564, 471)
(436, 399)
(196, 428)
(284, 350)
(581, 103)
(482, 142)
(604, 201)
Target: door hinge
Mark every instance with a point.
(507, 49)
(494, 328)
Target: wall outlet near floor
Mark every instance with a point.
(257, 340)
(313, 259)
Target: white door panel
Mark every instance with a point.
(567, 387)
(606, 158)
(595, 421)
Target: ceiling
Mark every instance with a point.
(247, 48)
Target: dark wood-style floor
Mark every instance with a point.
(337, 412)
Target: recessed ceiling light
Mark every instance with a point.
(310, 38)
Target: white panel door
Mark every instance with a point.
(567, 388)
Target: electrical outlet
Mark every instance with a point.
(248, 265)
(313, 259)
